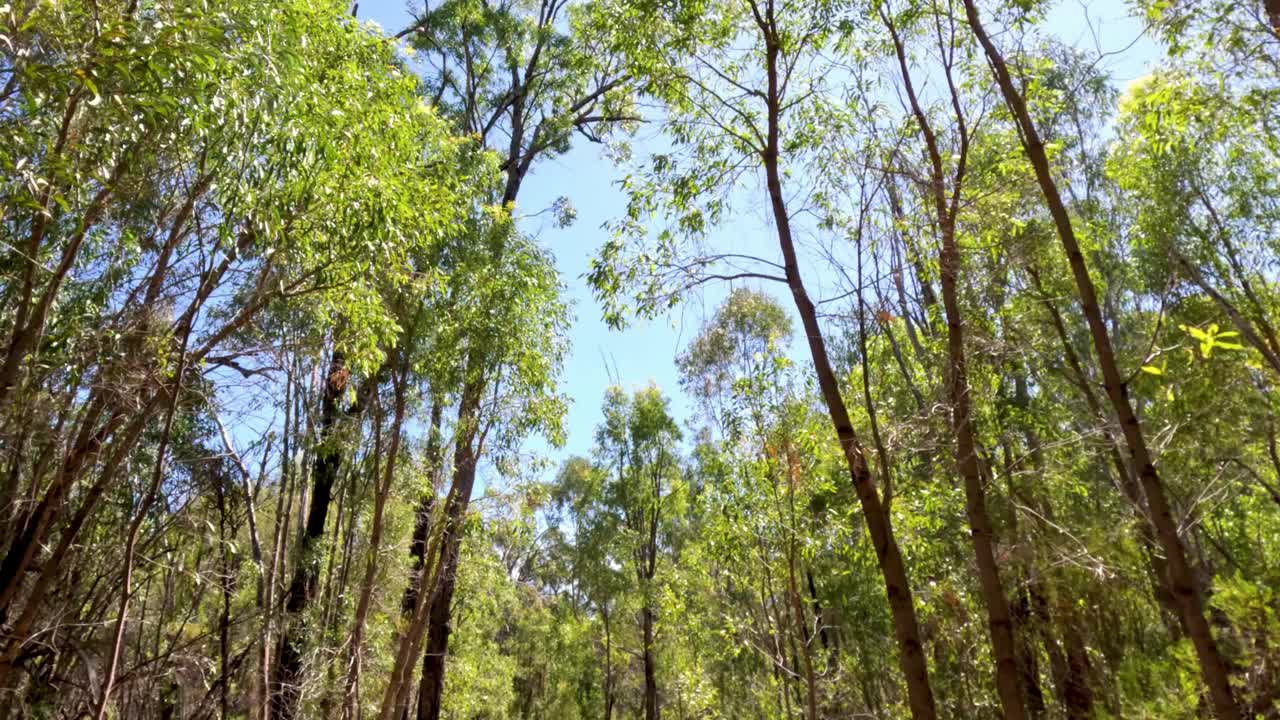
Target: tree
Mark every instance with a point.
(728, 112)
(1185, 589)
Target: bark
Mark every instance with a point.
(897, 587)
(262, 580)
(651, 708)
(285, 690)
(382, 490)
(1028, 665)
(1068, 658)
(224, 619)
(806, 650)
(820, 617)
(608, 665)
(439, 627)
(999, 620)
(1181, 579)
(981, 532)
(422, 515)
(35, 601)
(395, 696)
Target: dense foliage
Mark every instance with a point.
(983, 423)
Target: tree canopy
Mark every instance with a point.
(980, 420)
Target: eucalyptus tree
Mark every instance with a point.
(738, 370)
(182, 175)
(748, 330)
(636, 447)
(946, 187)
(521, 78)
(625, 503)
(580, 509)
(744, 85)
(506, 323)
(216, 216)
(1185, 588)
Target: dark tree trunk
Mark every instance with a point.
(1028, 667)
(651, 709)
(422, 514)
(285, 691)
(897, 587)
(981, 531)
(224, 619)
(1182, 582)
(466, 454)
(608, 666)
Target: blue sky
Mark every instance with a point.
(645, 352)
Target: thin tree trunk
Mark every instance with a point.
(897, 587)
(1182, 582)
(422, 514)
(280, 537)
(608, 665)
(793, 590)
(224, 618)
(466, 454)
(131, 543)
(286, 690)
(981, 532)
(351, 695)
(1070, 670)
(651, 709)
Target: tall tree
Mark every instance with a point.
(1186, 589)
(730, 112)
(946, 186)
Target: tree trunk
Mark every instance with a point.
(382, 489)
(1028, 666)
(999, 621)
(651, 709)
(286, 691)
(608, 665)
(224, 618)
(422, 514)
(897, 587)
(466, 454)
(981, 532)
(1181, 580)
